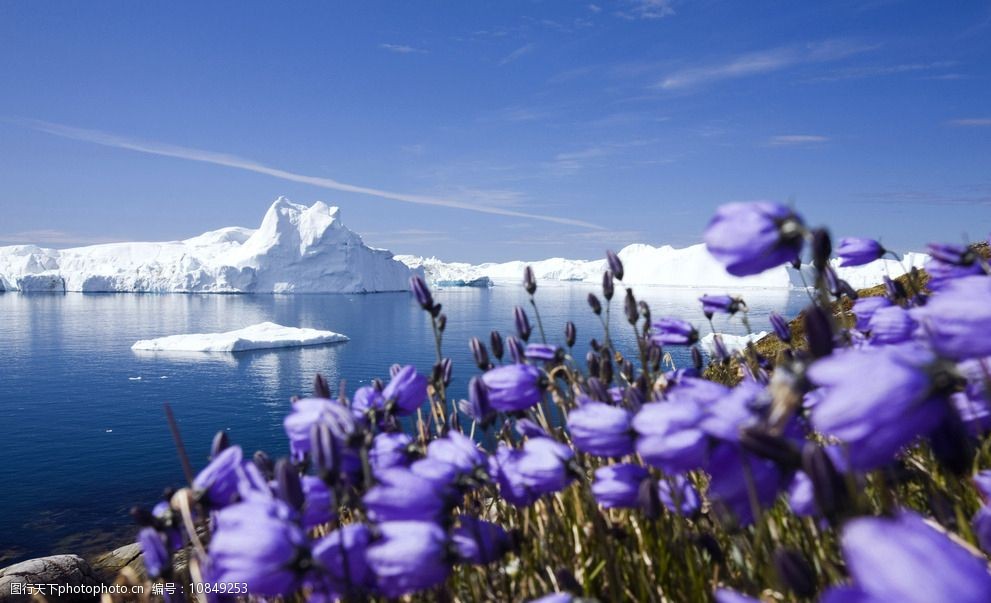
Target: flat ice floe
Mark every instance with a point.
(733, 343)
(262, 336)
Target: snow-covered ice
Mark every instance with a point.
(261, 336)
(733, 343)
(647, 265)
(297, 249)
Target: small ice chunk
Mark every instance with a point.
(261, 336)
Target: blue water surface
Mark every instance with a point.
(84, 434)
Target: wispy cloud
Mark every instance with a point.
(869, 71)
(646, 9)
(760, 62)
(972, 195)
(403, 49)
(517, 54)
(240, 163)
(570, 162)
(48, 236)
(796, 140)
(971, 122)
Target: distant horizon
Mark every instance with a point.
(496, 132)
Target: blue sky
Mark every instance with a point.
(494, 130)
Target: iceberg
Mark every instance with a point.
(668, 266)
(297, 249)
(262, 336)
(732, 343)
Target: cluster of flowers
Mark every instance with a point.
(363, 508)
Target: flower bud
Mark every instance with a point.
(630, 306)
(627, 370)
(708, 543)
(822, 248)
(605, 368)
(324, 453)
(522, 323)
(441, 322)
(421, 292)
(570, 333)
(828, 485)
(781, 328)
(264, 463)
(645, 312)
(818, 332)
(615, 264)
(479, 352)
(220, 443)
(794, 572)
(496, 340)
(320, 387)
(289, 486)
(516, 350)
(608, 287)
(760, 442)
(595, 304)
(529, 281)
(435, 310)
(597, 390)
(592, 360)
(654, 354)
(697, 361)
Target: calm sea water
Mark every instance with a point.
(84, 435)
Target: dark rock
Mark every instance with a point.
(64, 570)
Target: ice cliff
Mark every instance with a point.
(297, 249)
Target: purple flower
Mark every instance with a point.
(781, 327)
(907, 560)
(540, 467)
(480, 542)
(341, 556)
(541, 351)
(981, 524)
(857, 252)
(865, 307)
(724, 595)
(442, 474)
(738, 478)
(477, 406)
(407, 390)
(801, 495)
(389, 449)
(457, 450)
(402, 494)
(309, 412)
(669, 436)
(601, 429)
(514, 387)
(615, 264)
(726, 416)
(678, 494)
(555, 598)
(749, 238)
(958, 319)
(982, 481)
(410, 556)
(877, 400)
(720, 304)
(618, 486)
(256, 544)
(367, 398)
(523, 328)
(318, 505)
(218, 481)
(950, 262)
(154, 555)
(421, 292)
(672, 331)
(891, 324)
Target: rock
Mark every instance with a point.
(63, 570)
(108, 565)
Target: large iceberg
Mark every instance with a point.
(297, 249)
(665, 265)
(262, 336)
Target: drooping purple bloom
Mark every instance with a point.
(749, 238)
(407, 390)
(367, 398)
(218, 481)
(982, 481)
(601, 429)
(541, 351)
(949, 262)
(669, 436)
(865, 307)
(737, 478)
(154, 555)
(421, 292)
(891, 324)
(981, 524)
(523, 328)
(877, 400)
(401, 494)
(781, 327)
(672, 331)
(477, 406)
(724, 595)
(389, 449)
(555, 598)
(678, 495)
(457, 450)
(725, 417)
(618, 486)
(307, 413)
(478, 541)
(256, 544)
(410, 556)
(514, 387)
(854, 251)
(540, 467)
(907, 560)
(957, 320)
(801, 495)
(341, 556)
(615, 264)
(720, 304)
(442, 474)
(318, 505)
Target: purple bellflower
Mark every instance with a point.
(854, 251)
(410, 556)
(389, 449)
(749, 238)
(218, 481)
(720, 304)
(480, 542)
(402, 494)
(669, 436)
(514, 387)
(308, 412)
(618, 486)
(601, 429)
(678, 495)
(154, 555)
(672, 331)
(865, 307)
(407, 390)
(540, 467)
(891, 324)
(958, 319)
(341, 556)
